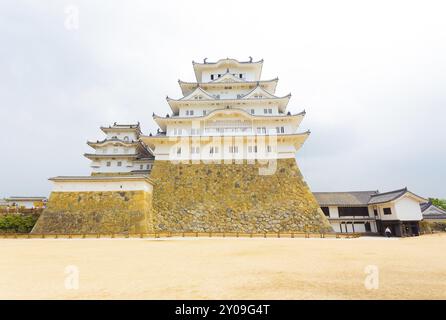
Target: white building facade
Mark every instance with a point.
(372, 211)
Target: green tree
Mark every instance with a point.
(440, 203)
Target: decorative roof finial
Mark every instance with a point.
(250, 59)
(204, 60)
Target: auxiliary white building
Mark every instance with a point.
(372, 211)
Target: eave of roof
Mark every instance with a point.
(192, 85)
(344, 198)
(115, 155)
(102, 178)
(392, 196)
(206, 65)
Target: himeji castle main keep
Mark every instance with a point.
(223, 160)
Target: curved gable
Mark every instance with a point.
(198, 94)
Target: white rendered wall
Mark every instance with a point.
(408, 209)
(85, 186)
(248, 75)
(131, 134)
(279, 150)
(101, 166)
(258, 107)
(386, 217)
(333, 211)
(230, 126)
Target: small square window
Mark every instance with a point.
(387, 211)
(108, 163)
(119, 163)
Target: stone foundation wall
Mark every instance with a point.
(96, 212)
(233, 197)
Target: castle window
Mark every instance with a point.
(212, 77)
(267, 111)
(108, 163)
(280, 129)
(387, 211)
(252, 149)
(204, 112)
(119, 163)
(148, 167)
(240, 75)
(141, 166)
(179, 150)
(353, 211)
(252, 111)
(213, 150)
(269, 149)
(195, 150)
(233, 149)
(177, 131)
(126, 138)
(219, 75)
(326, 211)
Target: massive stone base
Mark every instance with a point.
(233, 197)
(96, 212)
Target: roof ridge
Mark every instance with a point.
(388, 192)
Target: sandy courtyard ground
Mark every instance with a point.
(412, 268)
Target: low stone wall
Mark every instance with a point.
(96, 212)
(233, 197)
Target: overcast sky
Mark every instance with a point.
(370, 74)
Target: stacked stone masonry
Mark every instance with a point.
(233, 197)
(97, 212)
(199, 197)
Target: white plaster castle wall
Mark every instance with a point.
(110, 149)
(279, 150)
(122, 134)
(231, 126)
(246, 72)
(258, 107)
(85, 186)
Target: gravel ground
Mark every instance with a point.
(229, 268)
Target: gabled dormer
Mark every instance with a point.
(198, 94)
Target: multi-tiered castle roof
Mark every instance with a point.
(228, 99)
(121, 151)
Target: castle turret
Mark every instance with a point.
(120, 151)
